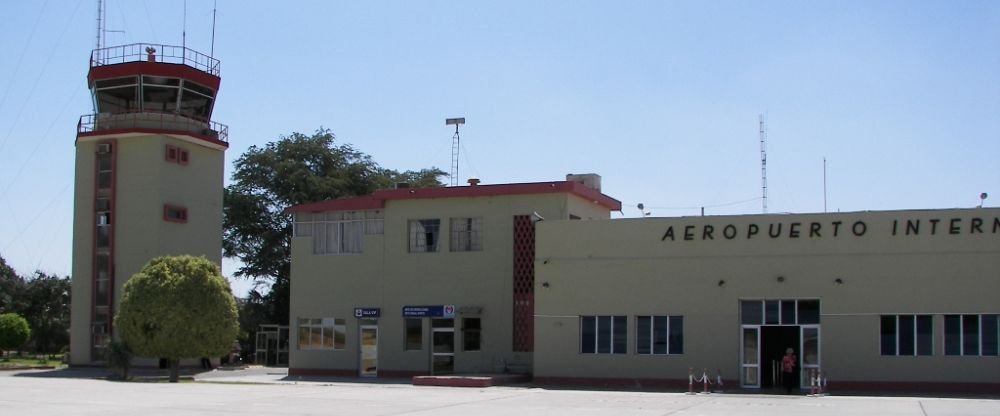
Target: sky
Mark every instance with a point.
(661, 98)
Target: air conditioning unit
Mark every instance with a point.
(590, 180)
(103, 148)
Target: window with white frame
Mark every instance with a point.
(338, 232)
(972, 334)
(322, 334)
(603, 334)
(424, 235)
(659, 334)
(466, 234)
(907, 335)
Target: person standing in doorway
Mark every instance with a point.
(788, 363)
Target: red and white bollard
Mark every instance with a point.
(718, 380)
(690, 380)
(704, 379)
(813, 382)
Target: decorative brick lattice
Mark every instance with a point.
(524, 283)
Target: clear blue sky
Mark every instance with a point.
(661, 97)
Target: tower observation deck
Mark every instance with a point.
(153, 88)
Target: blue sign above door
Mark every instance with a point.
(367, 312)
(429, 311)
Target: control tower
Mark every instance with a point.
(149, 177)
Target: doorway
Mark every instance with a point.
(774, 341)
(369, 350)
(442, 346)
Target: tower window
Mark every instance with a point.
(172, 213)
(177, 155)
(171, 155)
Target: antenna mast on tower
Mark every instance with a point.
(763, 162)
(101, 17)
(454, 148)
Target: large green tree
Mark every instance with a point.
(293, 170)
(178, 307)
(14, 331)
(47, 311)
(12, 289)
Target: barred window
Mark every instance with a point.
(338, 232)
(466, 234)
(424, 235)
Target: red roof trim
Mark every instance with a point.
(153, 68)
(377, 199)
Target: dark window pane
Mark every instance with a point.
(808, 312)
(414, 334)
(442, 323)
(888, 334)
(471, 334)
(643, 334)
(772, 312)
(444, 341)
(677, 335)
(660, 335)
(905, 330)
(752, 312)
(159, 99)
(925, 335)
(603, 334)
(990, 330)
(621, 335)
(588, 335)
(952, 335)
(788, 312)
(970, 334)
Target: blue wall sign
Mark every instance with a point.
(367, 312)
(430, 311)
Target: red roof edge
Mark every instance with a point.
(377, 199)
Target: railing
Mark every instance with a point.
(149, 52)
(91, 123)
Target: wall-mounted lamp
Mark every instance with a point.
(838, 281)
(781, 279)
(721, 282)
(546, 261)
(545, 284)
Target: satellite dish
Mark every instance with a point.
(983, 195)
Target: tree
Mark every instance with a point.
(294, 170)
(12, 289)
(14, 331)
(47, 311)
(178, 307)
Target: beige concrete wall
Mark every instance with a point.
(626, 267)
(145, 181)
(82, 265)
(386, 275)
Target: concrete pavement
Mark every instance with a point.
(268, 392)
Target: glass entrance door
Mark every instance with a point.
(442, 346)
(369, 350)
(750, 357)
(810, 352)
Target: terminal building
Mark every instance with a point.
(536, 278)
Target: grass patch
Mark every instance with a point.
(31, 361)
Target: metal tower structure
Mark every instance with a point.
(453, 181)
(763, 162)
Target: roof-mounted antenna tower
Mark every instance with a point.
(454, 148)
(763, 162)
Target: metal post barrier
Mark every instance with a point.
(812, 382)
(823, 388)
(704, 380)
(690, 380)
(718, 379)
